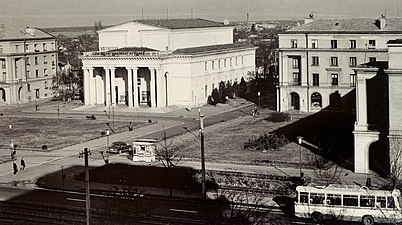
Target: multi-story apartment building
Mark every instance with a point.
(318, 57)
(28, 59)
(160, 63)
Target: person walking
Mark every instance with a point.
(15, 167)
(22, 163)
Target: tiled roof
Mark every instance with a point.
(357, 25)
(211, 49)
(17, 34)
(133, 49)
(181, 23)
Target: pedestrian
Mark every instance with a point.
(15, 167)
(130, 126)
(22, 163)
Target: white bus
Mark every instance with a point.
(349, 203)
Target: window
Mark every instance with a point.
(16, 48)
(206, 91)
(371, 44)
(381, 201)
(26, 47)
(219, 64)
(36, 60)
(206, 66)
(293, 43)
(44, 60)
(314, 43)
(366, 201)
(231, 61)
(29, 87)
(46, 87)
(316, 61)
(334, 61)
(36, 73)
(295, 63)
(28, 61)
(333, 199)
(1, 48)
(4, 76)
(44, 47)
(28, 73)
(353, 44)
(316, 79)
(242, 60)
(237, 61)
(45, 72)
(213, 65)
(372, 59)
(334, 44)
(3, 64)
(303, 197)
(225, 62)
(390, 202)
(138, 81)
(36, 47)
(334, 81)
(350, 200)
(353, 61)
(353, 80)
(316, 198)
(296, 79)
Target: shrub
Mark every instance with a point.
(278, 117)
(267, 141)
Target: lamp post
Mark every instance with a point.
(107, 147)
(259, 99)
(300, 140)
(203, 181)
(85, 154)
(10, 127)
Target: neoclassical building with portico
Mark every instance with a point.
(160, 63)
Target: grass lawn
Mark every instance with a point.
(224, 142)
(32, 133)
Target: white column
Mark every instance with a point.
(130, 86)
(135, 77)
(91, 84)
(107, 86)
(86, 86)
(152, 86)
(112, 85)
(160, 86)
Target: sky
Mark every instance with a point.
(64, 13)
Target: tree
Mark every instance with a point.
(98, 25)
(242, 88)
(395, 156)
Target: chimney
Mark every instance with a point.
(225, 22)
(309, 19)
(383, 21)
(248, 17)
(30, 31)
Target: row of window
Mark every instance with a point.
(46, 84)
(334, 44)
(316, 79)
(36, 60)
(315, 61)
(32, 47)
(37, 73)
(347, 200)
(217, 64)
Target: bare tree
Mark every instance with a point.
(168, 154)
(395, 157)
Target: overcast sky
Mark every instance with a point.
(58, 13)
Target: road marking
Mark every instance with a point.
(75, 199)
(183, 210)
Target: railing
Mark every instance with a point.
(127, 53)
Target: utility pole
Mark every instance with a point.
(85, 154)
(203, 181)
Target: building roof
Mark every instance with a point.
(20, 34)
(212, 48)
(134, 49)
(355, 25)
(181, 23)
(396, 41)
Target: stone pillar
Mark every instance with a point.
(152, 86)
(92, 89)
(363, 139)
(107, 86)
(160, 86)
(135, 82)
(86, 87)
(112, 85)
(130, 86)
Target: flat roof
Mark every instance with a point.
(26, 33)
(212, 48)
(181, 23)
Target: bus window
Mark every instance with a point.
(350, 200)
(303, 197)
(390, 202)
(381, 201)
(366, 201)
(316, 198)
(333, 199)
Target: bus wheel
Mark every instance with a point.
(317, 217)
(368, 220)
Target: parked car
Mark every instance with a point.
(119, 147)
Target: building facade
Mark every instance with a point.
(28, 59)
(160, 63)
(318, 57)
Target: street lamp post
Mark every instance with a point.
(203, 181)
(10, 127)
(85, 154)
(300, 140)
(107, 147)
(259, 99)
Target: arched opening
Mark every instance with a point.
(20, 94)
(295, 101)
(379, 157)
(316, 100)
(2, 95)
